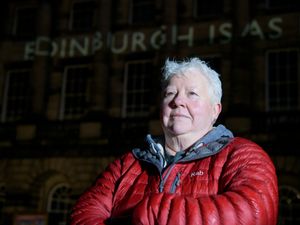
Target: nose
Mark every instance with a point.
(178, 101)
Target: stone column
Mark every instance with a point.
(99, 84)
(41, 67)
(241, 58)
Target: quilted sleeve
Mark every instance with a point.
(248, 195)
(95, 205)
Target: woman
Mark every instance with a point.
(197, 173)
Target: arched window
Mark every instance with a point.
(289, 205)
(59, 204)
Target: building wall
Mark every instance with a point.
(45, 148)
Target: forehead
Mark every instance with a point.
(191, 77)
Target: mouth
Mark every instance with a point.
(178, 116)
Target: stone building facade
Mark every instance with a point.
(79, 85)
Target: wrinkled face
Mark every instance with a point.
(186, 107)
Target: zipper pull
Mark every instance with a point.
(176, 183)
(161, 185)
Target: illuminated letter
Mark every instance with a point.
(225, 31)
(253, 29)
(40, 45)
(63, 45)
(138, 40)
(97, 42)
(156, 44)
(275, 27)
(54, 48)
(122, 48)
(29, 50)
(211, 34)
(189, 37)
(74, 44)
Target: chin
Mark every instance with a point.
(177, 132)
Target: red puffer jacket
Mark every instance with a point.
(225, 181)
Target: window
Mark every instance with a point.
(283, 4)
(17, 97)
(142, 11)
(208, 8)
(137, 88)
(289, 205)
(82, 16)
(74, 91)
(282, 80)
(25, 22)
(59, 205)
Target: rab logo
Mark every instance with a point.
(197, 173)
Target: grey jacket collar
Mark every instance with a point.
(210, 144)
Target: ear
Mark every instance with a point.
(217, 108)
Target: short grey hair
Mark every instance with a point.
(178, 68)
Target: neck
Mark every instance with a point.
(174, 144)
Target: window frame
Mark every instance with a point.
(62, 111)
(278, 107)
(140, 113)
(66, 201)
(72, 14)
(132, 18)
(284, 5)
(16, 22)
(292, 202)
(7, 87)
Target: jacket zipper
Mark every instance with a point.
(175, 183)
(163, 180)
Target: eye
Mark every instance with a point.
(193, 93)
(169, 93)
